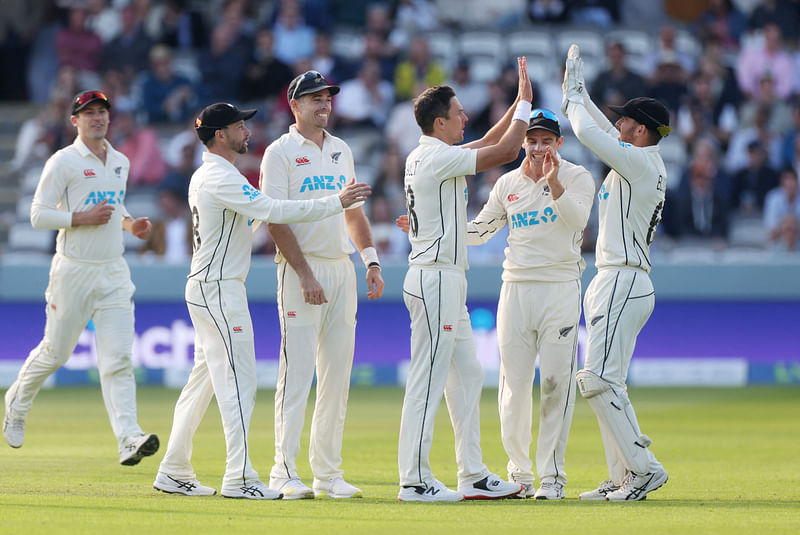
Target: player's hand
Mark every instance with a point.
(402, 222)
(313, 294)
(550, 166)
(99, 214)
(141, 227)
(353, 193)
(525, 91)
(374, 283)
(573, 87)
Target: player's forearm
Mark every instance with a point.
(287, 244)
(45, 218)
(496, 132)
(358, 228)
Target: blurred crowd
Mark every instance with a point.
(729, 71)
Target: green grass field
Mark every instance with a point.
(732, 456)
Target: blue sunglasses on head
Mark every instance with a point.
(547, 114)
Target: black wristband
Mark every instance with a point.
(373, 264)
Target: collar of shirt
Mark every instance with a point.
(430, 140)
(300, 138)
(84, 151)
(210, 157)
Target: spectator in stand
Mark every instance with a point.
(782, 213)
(142, 147)
(667, 50)
(128, 51)
(266, 77)
(182, 28)
(789, 152)
(334, 68)
(781, 12)
(104, 20)
(669, 82)
(699, 209)
(546, 11)
(43, 134)
(617, 83)
(419, 67)
(780, 113)
(390, 241)
(768, 60)
(472, 95)
(736, 156)
(118, 88)
(700, 116)
(365, 100)
(377, 48)
(294, 40)
(389, 181)
(171, 236)
(596, 13)
(722, 20)
(19, 21)
(165, 95)
(402, 131)
(43, 62)
(715, 64)
(750, 185)
(222, 65)
(79, 47)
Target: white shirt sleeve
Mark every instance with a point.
(243, 198)
(274, 166)
(45, 213)
(453, 161)
(623, 157)
(491, 219)
(575, 203)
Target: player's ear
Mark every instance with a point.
(559, 142)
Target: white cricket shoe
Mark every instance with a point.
(187, 487)
(252, 490)
(292, 489)
(636, 487)
(600, 493)
(135, 448)
(335, 488)
(14, 429)
(550, 490)
(490, 487)
(436, 492)
(526, 492)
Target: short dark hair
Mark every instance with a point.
(431, 104)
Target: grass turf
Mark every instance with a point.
(732, 455)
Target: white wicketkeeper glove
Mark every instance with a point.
(573, 88)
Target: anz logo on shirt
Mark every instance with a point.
(313, 183)
(533, 217)
(250, 192)
(113, 197)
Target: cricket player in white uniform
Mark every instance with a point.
(224, 207)
(620, 298)
(82, 193)
(443, 357)
(546, 204)
(317, 297)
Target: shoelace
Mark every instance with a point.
(17, 424)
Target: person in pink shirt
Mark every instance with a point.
(768, 61)
(77, 45)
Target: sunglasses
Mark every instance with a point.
(309, 75)
(83, 98)
(547, 114)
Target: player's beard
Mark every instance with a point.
(240, 147)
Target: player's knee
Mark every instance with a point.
(591, 384)
(117, 364)
(54, 357)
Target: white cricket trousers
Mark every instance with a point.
(537, 318)
(225, 367)
(617, 304)
(77, 292)
(443, 360)
(321, 337)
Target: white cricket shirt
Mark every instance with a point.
(224, 206)
(631, 198)
(294, 167)
(74, 180)
(436, 199)
(544, 235)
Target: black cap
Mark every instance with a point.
(218, 116)
(85, 98)
(647, 111)
(542, 119)
(309, 82)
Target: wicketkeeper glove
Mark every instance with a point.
(573, 87)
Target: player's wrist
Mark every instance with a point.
(369, 255)
(522, 112)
